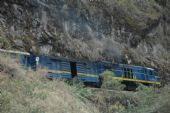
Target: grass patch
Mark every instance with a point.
(28, 92)
(109, 83)
(34, 94)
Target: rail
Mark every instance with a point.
(15, 52)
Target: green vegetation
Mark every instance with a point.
(111, 98)
(130, 7)
(140, 7)
(4, 42)
(143, 10)
(109, 83)
(27, 92)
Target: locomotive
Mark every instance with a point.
(86, 71)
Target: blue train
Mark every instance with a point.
(86, 71)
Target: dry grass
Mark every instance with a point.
(109, 83)
(10, 67)
(34, 94)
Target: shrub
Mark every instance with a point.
(10, 67)
(34, 94)
(4, 42)
(109, 83)
(4, 101)
(150, 100)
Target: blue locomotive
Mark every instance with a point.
(86, 71)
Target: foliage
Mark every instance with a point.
(150, 100)
(35, 94)
(140, 7)
(4, 42)
(10, 67)
(109, 83)
(4, 101)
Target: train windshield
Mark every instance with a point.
(156, 76)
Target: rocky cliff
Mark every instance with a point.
(134, 31)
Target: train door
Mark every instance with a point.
(73, 69)
(23, 60)
(32, 62)
(145, 75)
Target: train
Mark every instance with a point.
(85, 71)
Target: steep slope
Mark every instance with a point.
(24, 91)
(133, 31)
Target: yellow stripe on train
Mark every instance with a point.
(67, 72)
(59, 72)
(84, 74)
(114, 78)
(135, 80)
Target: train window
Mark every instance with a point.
(88, 66)
(154, 73)
(13, 55)
(150, 73)
(142, 71)
(128, 73)
(145, 71)
(107, 67)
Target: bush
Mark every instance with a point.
(4, 101)
(34, 94)
(4, 42)
(10, 67)
(150, 100)
(109, 83)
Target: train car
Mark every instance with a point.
(86, 71)
(19, 57)
(91, 72)
(137, 74)
(67, 68)
(57, 68)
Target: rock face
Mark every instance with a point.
(123, 30)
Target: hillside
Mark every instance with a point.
(133, 31)
(125, 31)
(25, 91)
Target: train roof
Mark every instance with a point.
(130, 65)
(150, 68)
(105, 63)
(67, 59)
(14, 52)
